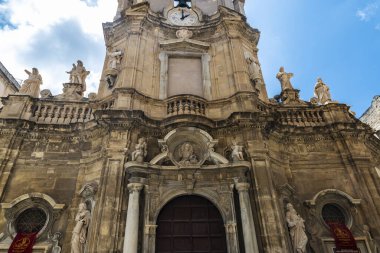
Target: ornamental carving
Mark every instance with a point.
(188, 147)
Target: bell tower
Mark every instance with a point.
(164, 48)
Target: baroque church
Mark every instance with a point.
(181, 149)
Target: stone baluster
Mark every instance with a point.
(249, 232)
(132, 224)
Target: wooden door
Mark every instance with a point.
(190, 224)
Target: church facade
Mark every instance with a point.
(181, 150)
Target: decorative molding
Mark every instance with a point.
(320, 194)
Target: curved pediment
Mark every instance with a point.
(188, 147)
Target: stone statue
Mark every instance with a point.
(55, 241)
(296, 229)
(140, 151)
(79, 237)
(237, 152)
(114, 58)
(253, 66)
(284, 79)
(186, 154)
(31, 86)
(322, 92)
(71, 91)
(78, 74)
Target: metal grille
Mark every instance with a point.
(31, 220)
(332, 213)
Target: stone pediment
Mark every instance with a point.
(184, 44)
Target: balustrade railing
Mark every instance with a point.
(186, 105)
(301, 117)
(52, 113)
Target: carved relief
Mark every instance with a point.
(188, 147)
(186, 154)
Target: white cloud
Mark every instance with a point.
(53, 34)
(368, 12)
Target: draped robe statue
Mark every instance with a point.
(79, 236)
(297, 229)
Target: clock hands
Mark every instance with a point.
(183, 15)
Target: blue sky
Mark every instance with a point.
(338, 40)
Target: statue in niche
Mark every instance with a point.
(114, 58)
(284, 79)
(31, 86)
(140, 151)
(78, 74)
(79, 237)
(186, 154)
(296, 229)
(237, 152)
(253, 66)
(322, 92)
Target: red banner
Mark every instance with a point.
(344, 240)
(23, 243)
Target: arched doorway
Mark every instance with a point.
(190, 224)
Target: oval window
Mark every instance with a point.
(31, 220)
(333, 213)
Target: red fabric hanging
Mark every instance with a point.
(344, 240)
(23, 243)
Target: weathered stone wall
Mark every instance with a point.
(372, 115)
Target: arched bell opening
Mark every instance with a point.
(190, 224)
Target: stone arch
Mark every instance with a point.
(175, 193)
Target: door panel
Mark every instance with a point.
(190, 224)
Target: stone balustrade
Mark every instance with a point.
(60, 113)
(299, 117)
(180, 105)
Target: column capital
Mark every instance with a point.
(150, 229)
(230, 228)
(242, 187)
(135, 187)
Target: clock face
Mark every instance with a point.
(183, 17)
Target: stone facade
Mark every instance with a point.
(129, 150)
(8, 84)
(372, 115)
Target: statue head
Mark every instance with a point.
(282, 69)
(141, 140)
(82, 207)
(289, 206)
(80, 63)
(35, 71)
